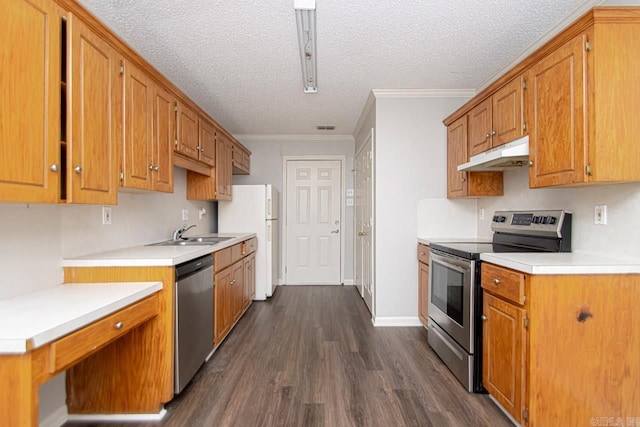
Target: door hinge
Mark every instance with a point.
(588, 170)
(121, 67)
(524, 126)
(175, 107)
(587, 46)
(525, 415)
(175, 143)
(524, 84)
(121, 176)
(526, 323)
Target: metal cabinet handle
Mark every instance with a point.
(530, 163)
(54, 168)
(78, 169)
(493, 132)
(150, 167)
(118, 325)
(156, 168)
(483, 317)
(496, 281)
(487, 136)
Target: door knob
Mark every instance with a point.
(336, 231)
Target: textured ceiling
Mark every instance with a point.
(239, 60)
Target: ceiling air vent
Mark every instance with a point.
(325, 127)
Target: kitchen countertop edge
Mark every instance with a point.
(565, 263)
(165, 256)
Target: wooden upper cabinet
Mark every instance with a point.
(467, 184)
(164, 133)
(480, 126)
(224, 153)
(93, 111)
(30, 104)
(503, 354)
(138, 149)
(556, 116)
(187, 143)
(456, 155)
(241, 160)
(496, 120)
(207, 142)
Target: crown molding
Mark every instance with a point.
(578, 12)
(423, 93)
(292, 137)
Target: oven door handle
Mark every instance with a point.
(446, 341)
(441, 260)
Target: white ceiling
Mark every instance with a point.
(239, 60)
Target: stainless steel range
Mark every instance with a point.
(455, 295)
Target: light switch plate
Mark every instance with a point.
(349, 201)
(185, 214)
(106, 215)
(350, 192)
(600, 214)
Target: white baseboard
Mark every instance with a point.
(56, 419)
(347, 282)
(118, 417)
(397, 321)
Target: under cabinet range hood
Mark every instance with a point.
(513, 154)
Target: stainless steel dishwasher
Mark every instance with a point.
(194, 318)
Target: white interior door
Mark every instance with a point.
(314, 223)
(364, 223)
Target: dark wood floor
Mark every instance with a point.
(309, 356)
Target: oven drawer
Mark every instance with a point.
(423, 253)
(503, 282)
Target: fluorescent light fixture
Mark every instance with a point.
(306, 23)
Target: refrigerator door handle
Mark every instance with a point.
(268, 208)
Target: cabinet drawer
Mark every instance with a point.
(222, 259)
(250, 246)
(423, 253)
(80, 344)
(501, 281)
(236, 252)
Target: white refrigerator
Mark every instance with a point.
(254, 209)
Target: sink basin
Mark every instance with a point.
(192, 241)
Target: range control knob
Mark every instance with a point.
(551, 219)
(502, 219)
(543, 220)
(495, 218)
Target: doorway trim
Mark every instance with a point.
(343, 161)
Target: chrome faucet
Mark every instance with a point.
(177, 234)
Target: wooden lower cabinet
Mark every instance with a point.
(234, 286)
(503, 353)
(423, 283)
(569, 354)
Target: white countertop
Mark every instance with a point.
(154, 256)
(428, 240)
(563, 263)
(37, 318)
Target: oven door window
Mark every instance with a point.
(447, 292)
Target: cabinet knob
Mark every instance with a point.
(54, 168)
(487, 136)
(483, 317)
(496, 281)
(462, 179)
(150, 167)
(156, 168)
(233, 282)
(530, 163)
(493, 132)
(422, 253)
(118, 325)
(78, 169)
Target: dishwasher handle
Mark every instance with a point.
(191, 267)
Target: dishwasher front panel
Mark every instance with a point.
(194, 325)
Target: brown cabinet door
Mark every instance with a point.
(503, 353)
(237, 290)
(92, 168)
(456, 155)
(224, 159)
(555, 103)
(187, 132)
(507, 113)
(222, 305)
(207, 143)
(138, 136)
(164, 133)
(249, 279)
(423, 292)
(480, 128)
(30, 105)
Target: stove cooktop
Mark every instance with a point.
(473, 250)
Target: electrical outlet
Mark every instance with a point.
(481, 213)
(600, 214)
(350, 192)
(185, 214)
(349, 201)
(106, 215)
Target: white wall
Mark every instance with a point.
(410, 166)
(266, 168)
(35, 238)
(619, 238)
